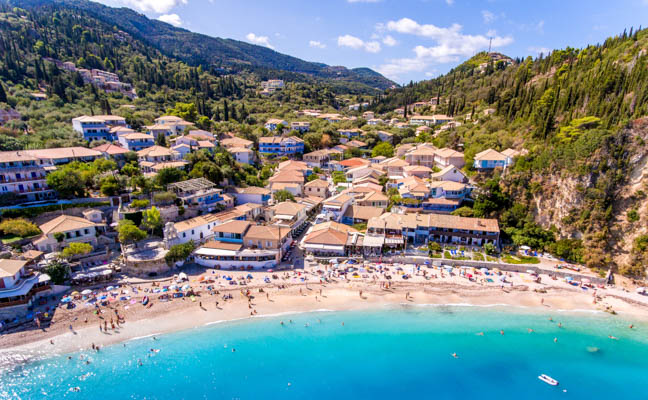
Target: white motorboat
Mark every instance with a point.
(548, 380)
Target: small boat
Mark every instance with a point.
(549, 380)
(145, 300)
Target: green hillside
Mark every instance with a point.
(572, 111)
(197, 49)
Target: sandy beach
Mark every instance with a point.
(294, 292)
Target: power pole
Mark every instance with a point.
(490, 42)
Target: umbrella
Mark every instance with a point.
(530, 271)
(110, 288)
(86, 292)
(186, 287)
(484, 270)
(75, 293)
(525, 247)
(569, 278)
(106, 272)
(182, 276)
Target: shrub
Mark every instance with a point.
(179, 252)
(139, 204)
(19, 227)
(76, 249)
(633, 216)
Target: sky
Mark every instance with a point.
(402, 39)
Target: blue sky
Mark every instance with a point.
(403, 39)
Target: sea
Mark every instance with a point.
(392, 353)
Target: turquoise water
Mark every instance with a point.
(395, 353)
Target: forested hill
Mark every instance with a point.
(197, 49)
(579, 114)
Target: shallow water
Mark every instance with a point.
(392, 353)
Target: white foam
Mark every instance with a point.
(143, 337)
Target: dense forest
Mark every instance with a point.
(216, 53)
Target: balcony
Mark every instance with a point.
(22, 179)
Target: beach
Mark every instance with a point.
(303, 291)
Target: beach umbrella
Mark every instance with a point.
(86, 292)
(186, 287)
(530, 271)
(110, 288)
(75, 293)
(569, 278)
(484, 270)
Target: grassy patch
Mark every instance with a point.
(10, 239)
(436, 255)
(446, 254)
(520, 259)
(478, 257)
(491, 258)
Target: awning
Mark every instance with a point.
(394, 241)
(373, 241)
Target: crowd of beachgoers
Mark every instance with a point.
(117, 311)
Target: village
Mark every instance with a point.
(336, 203)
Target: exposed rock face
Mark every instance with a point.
(596, 203)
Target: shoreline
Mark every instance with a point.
(185, 315)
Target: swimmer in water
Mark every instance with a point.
(233, 350)
(530, 330)
(139, 362)
(480, 334)
(613, 337)
(555, 340)
(502, 332)
(454, 355)
(281, 323)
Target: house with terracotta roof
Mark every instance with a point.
(356, 144)
(252, 194)
(336, 206)
(231, 231)
(419, 171)
(236, 142)
(19, 287)
(182, 149)
(242, 155)
(445, 156)
(290, 180)
(350, 133)
(450, 173)
(393, 167)
(374, 199)
(321, 158)
(281, 146)
(98, 127)
(385, 136)
(288, 214)
(301, 126)
(176, 125)
(328, 239)
(421, 155)
(268, 237)
(110, 150)
(197, 229)
(354, 162)
(65, 229)
(136, 141)
(273, 123)
(156, 154)
(357, 214)
(317, 188)
(490, 159)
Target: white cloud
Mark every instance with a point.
(488, 16)
(158, 6)
(449, 2)
(450, 45)
(389, 41)
(537, 50)
(260, 40)
(358, 44)
(173, 19)
(317, 44)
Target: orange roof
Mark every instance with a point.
(354, 162)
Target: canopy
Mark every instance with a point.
(182, 276)
(86, 292)
(525, 247)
